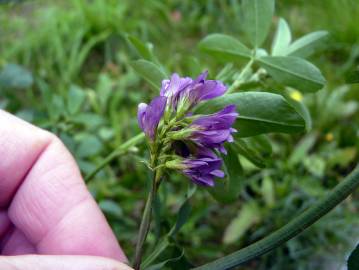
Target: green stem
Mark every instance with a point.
(292, 229)
(120, 150)
(146, 220)
(241, 77)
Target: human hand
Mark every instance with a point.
(45, 207)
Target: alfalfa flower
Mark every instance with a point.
(184, 141)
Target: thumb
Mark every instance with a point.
(45, 262)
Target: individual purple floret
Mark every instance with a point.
(186, 93)
(202, 89)
(172, 87)
(149, 116)
(215, 129)
(204, 168)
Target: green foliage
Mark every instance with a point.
(15, 77)
(294, 72)
(150, 71)
(257, 19)
(259, 113)
(76, 69)
(225, 47)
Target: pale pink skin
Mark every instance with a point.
(45, 207)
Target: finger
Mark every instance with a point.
(52, 206)
(4, 223)
(20, 145)
(17, 244)
(41, 262)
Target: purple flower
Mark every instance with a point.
(149, 116)
(171, 87)
(202, 89)
(187, 142)
(215, 129)
(188, 92)
(204, 168)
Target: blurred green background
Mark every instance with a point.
(66, 66)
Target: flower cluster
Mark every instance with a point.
(184, 141)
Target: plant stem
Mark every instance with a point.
(120, 150)
(241, 77)
(292, 229)
(146, 220)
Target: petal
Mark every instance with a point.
(153, 115)
(218, 173)
(212, 89)
(141, 114)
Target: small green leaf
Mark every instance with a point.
(308, 44)
(143, 49)
(300, 107)
(315, 165)
(342, 157)
(257, 18)
(151, 72)
(248, 152)
(183, 212)
(282, 38)
(268, 191)
(161, 265)
(224, 46)
(90, 145)
(248, 215)
(111, 208)
(353, 261)
(294, 72)
(302, 149)
(75, 99)
(352, 77)
(259, 112)
(15, 77)
(165, 242)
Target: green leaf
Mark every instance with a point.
(302, 149)
(308, 44)
(315, 165)
(90, 145)
(300, 107)
(294, 72)
(111, 208)
(259, 113)
(353, 261)
(75, 99)
(282, 38)
(151, 72)
(257, 18)
(224, 47)
(352, 77)
(342, 157)
(248, 152)
(247, 217)
(15, 76)
(183, 213)
(227, 190)
(268, 191)
(165, 242)
(161, 265)
(144, 50)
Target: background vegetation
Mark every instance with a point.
(66, 66)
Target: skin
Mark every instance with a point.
(48, 219)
